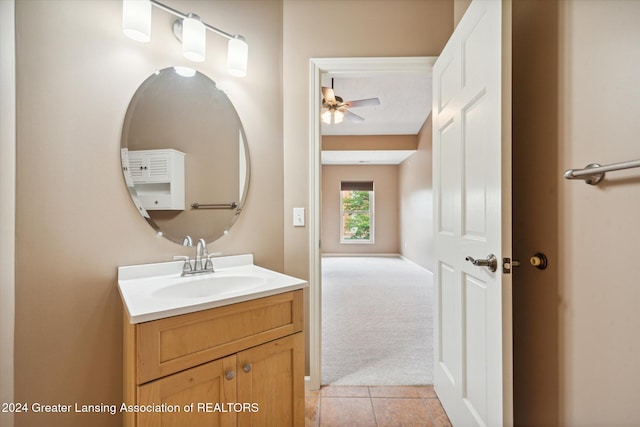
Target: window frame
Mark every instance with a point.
(371, 214)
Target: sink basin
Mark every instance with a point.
(157, 291)
(207, 286)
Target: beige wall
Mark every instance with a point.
(369, 142)
(75, 223)
(341, 28)
(385, 181)
(459, 8)
(599, 230)
(416, 202)
(7, 204)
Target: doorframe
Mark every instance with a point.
(353, 67)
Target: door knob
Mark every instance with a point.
(247, 368)
(230, 375)
(491, 262)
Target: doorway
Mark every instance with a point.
(336, 67)
(377, 322)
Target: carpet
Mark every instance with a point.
(377, 322)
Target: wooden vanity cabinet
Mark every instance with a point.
(239, 365)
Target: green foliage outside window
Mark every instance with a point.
(356, 219)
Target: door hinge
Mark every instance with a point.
(508, 264)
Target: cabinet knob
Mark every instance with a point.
(229, 375)
(247, 368)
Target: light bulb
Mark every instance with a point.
(326, 117)
(136, 19)
(194, 38)
(338, 116)
(237, 54)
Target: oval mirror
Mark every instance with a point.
(185, 156)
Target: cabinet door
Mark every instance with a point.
(272, 376)
(208, 387)
(137, 167)
(159, 167)
(150, 167)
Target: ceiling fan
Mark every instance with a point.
(337, 109)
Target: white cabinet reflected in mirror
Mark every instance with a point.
(184, 156)
(156, 178)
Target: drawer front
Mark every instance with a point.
(155, 201)
(173, 344)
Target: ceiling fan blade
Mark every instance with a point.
(348, 115)
(328, 95)
(370, 102)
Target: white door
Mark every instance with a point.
(472, 215)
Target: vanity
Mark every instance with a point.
(218, 349)
(201, 347)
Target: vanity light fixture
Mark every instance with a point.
(136, 20)
(194, 38)
(237, 56)
(189, 28)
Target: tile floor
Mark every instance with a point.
(337, 406)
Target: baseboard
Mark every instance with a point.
(416, 264)
(308, 385)
(382, 255)
(329, 255)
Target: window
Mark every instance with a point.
(356, 211)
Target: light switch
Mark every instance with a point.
(298, 217)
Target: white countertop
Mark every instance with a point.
(153, 291)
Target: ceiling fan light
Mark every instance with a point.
(326, 117)
(136, 19)
(338, 116)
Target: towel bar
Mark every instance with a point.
(231, 205)
(593, 173)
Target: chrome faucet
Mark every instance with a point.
(201, 251)
(197, 266)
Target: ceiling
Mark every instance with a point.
(405, 103)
